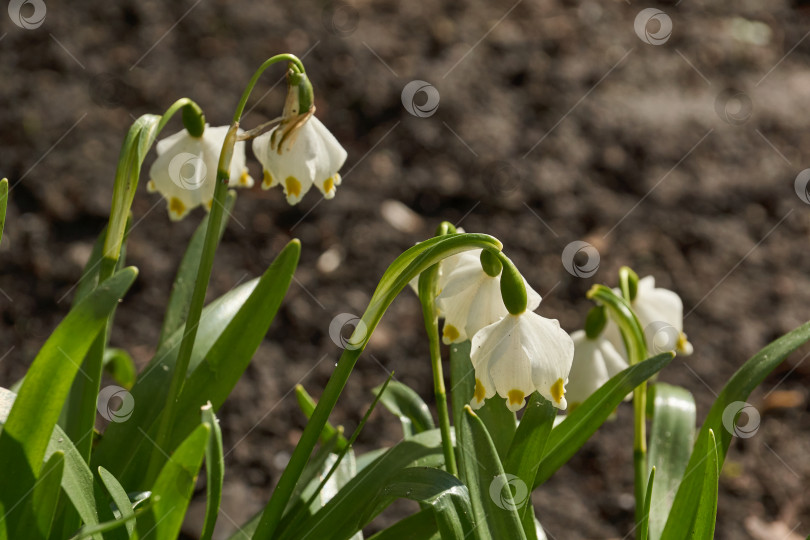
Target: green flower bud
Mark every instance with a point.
(628, 282)
(302, 85)
(445, 227)
(595, 322)
(490, 263)
(513, 288)
(193, 120)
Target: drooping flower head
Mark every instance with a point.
(300, 151)
(596, 360)
(185, 170)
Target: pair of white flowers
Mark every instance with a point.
(596, 360)
(513, 354)
(185, 170)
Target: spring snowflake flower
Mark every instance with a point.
(660, 312)
(595, 362)
(185, 170)
(470, 299)
(518, 355)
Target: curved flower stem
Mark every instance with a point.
(204, 272)
(427, 296)
(633, 336)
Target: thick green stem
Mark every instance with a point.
(427, 296)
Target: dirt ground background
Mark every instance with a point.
(556, 123)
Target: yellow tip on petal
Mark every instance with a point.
(151, 187)
(292, 187)
(329, 184)
(515, 397)
(558, 390)
(450, 333)
(245, 180)
(480, 391)
(176, 207)
(209, 204)
(267, 180)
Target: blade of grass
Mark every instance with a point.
(214, 470)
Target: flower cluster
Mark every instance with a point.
(296, 154)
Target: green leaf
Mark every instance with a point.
(307, 405)
(528, 443)
(736, 391)
(420, 525)
(494, 506)
(340, 517)
(671, 439)
(3, 204)
(462, 382)
(119, 497)
(403, 270)
(644, 526)
(173, 488)
(413, 413)
(214, 470)
(45, 497)
(500, 423)
(180, 299)
(95, 531)
(583, 421)
(707, 509)
(440, 490)
(119, 365)
(28, 428)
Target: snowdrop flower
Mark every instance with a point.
(518, 355)
(300, 151)
(660, 312)
(470, 298)
(596, 360)
(185, 170)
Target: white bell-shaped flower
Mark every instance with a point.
(595, 362)
(311, 155)
(518, 355)
(470, 299)
(185, 170)
(660, 312)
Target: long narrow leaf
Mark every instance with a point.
(307, 405)
(748, 377)
(45, 497)
(406, 404)
(119, 497)
(644, 526)
(214, 470)
(30, 423)
(582, 422)
(707, 510)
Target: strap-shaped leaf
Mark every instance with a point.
(494, 506)
(500, 423)
(46, 495)
(748, 377)
(671, 439)
(119, 497)
(214, 471)
(173, 489)
(413, 413)
(644, 527)
(582, 422)
(307, 405)
(30, 423)
(707, 509)
(462, 382)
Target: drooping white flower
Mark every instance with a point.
(310, 156)
(518, 355)
(470, 299)
(185, 170)
(660, 312)
(595, 362)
